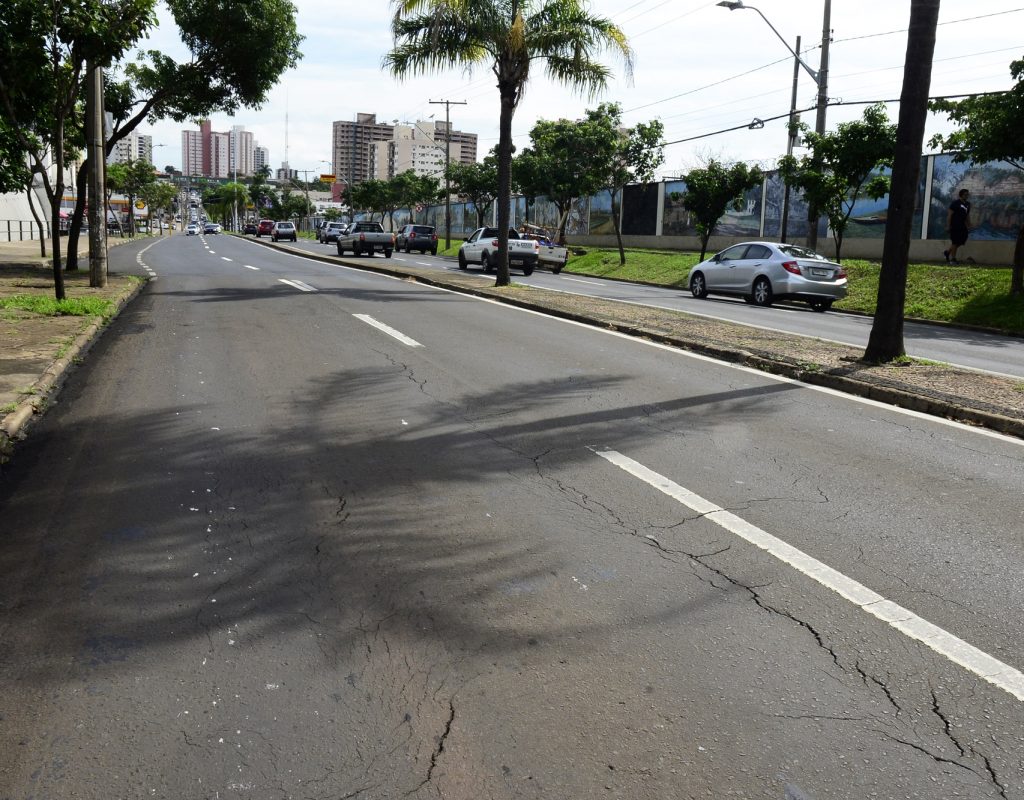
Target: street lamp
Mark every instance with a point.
(820, 78)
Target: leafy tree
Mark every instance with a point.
(714, 188)
(158, 196)
(410, 190)
(507, 36)
(130, 179)
(839, 167)
(991, 129)
(46, 46)
(476, 182)
(261, 194)
(332, 214)
(569, 159)
(635, 156)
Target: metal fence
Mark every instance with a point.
(19, 230)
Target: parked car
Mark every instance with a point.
(265, 228)
(211, 227)
(763, 272)
(250, 228)
(417, 237)
(284, 230)
(329, 232)
(192, 229)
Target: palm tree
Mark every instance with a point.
(507, 35)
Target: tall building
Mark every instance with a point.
(191, 153)
(217, 154)
(351, 146)
(134, 147)
(356, 158)
(412, 147)
(242, 147)
(260, 158)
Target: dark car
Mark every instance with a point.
(265, 228)
(417, 237)
(250, 228)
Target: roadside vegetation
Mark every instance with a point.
(51, 307)
(968, 295)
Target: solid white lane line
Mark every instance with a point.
(580, 280)
(906, 622)
(225, 258)
(388, 330)
(247, 266)
(304, 287)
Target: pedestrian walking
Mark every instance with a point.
(958, 225)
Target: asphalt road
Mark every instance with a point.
(298, 531)
(987, 352)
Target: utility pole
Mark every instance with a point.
(97, 190)
(447, 160)
(790, 140)
(819, 125)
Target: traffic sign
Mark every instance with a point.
(328, 178)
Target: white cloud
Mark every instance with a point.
(681, 47)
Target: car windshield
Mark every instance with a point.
(797, 251)
(422, 229)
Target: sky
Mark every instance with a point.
(697, 67)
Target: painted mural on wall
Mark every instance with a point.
(675, 220)
(997, 197)
(797, 224)
(579, 218)
(867, 220)
(601, 214)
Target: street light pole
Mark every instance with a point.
(447, 162)
(820, 78)
(790, 142)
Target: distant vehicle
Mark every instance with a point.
(482, 248)
(211, 227)
(366, 237)
(549, 254)
(264, 228)
(284, 230)
(417, 237)
(192, 229)
(250, 228)
(329, 232)
(763, 272)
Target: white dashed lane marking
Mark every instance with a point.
(388, 330)
(304, 287)
(906, 622)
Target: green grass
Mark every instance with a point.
(49, 307)
(968, 295)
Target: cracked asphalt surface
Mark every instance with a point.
(261, 549)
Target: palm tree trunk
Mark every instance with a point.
(508, 108)
(1017, 275)
(886, 340)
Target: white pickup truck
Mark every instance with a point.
(549, 255)
(482, 248)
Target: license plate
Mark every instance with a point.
(515, 261)
(820, 273)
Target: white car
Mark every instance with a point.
(192, 229)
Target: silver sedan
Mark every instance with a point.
(763, 272)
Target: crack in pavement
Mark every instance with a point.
(438, 749)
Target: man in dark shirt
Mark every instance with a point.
(958, 225)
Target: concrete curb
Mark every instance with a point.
(842, 383)
(46, 387)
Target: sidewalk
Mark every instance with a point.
(38, 351)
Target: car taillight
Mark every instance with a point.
(362, 237)
(494, 243)
(840, 273)
(791, 266)
(412, 235)
(433, 237)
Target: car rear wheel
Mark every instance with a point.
(356, 251)
(462, 260)
(433, 251)
(387, 253)
(485, 262)
(341, 250)
(762, 292)
(698, 286)
(528, 269)
(821, 305)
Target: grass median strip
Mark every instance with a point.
(50, 307)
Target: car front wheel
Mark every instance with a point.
(341, 250)
(698, 286)
(762, 292)
(463, 264)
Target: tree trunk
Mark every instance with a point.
(1017, 276)
(886, 340)
(704, 239)
(508, 109)
(55, 201)
(75, 223)
(615, 225)
(38, 219)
